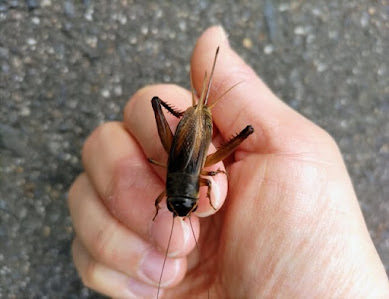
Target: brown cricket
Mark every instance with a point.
(187, 150)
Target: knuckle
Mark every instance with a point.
(147, 92)
(318, 144)
(142, 94)
(103, 245)
(327, 137)
(100, 134)
(88, 276)
(237, 74)
(74, 189)
(324, 143)
(85, 264)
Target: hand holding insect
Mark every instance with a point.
(291, 225)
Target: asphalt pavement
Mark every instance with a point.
(68, 66)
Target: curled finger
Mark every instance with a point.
(110, 243)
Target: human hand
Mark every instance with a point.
(290, 227)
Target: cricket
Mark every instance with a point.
(187, 152)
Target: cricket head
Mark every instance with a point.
(181, 206)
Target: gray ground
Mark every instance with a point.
(66, 66)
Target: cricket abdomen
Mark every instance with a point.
(182, 192)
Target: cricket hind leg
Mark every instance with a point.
(172, 110)
(164, 131)
(229, 147)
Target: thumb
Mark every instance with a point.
(278, 128)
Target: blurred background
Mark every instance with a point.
(67, 66)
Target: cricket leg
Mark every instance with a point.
(164, 131)
(229, 147)
(157, 163)
(206, 182)
(212, 173)
(173, 111)
(158, 201)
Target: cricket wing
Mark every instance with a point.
(191, 142)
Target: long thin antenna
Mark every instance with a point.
(197, 247)
(223, 94)
(210, 78)
(164, 261)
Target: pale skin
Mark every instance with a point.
(290, 226)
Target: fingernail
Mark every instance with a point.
(151, 267)
(140, 289)
(223, 36)
(182, 232)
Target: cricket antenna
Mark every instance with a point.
(211, 76)
(223, 94)
(197, 248)
(164, 261)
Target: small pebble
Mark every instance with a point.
(31, 41)
(299, 30)
(283, 7)
(182, 25)
(268, 49)
(45, 3)
(13, 3)
(32, 4)
(68, 7)
(46, 231)
(117, 90)
(25, 111)
(105, 93)
(144, 29)
(365, 18)
(91, 41)
(36, 20)
(247, 43)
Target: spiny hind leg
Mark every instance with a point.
(229, 147)
(158, 201)
(208, 183)
(164, 131)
